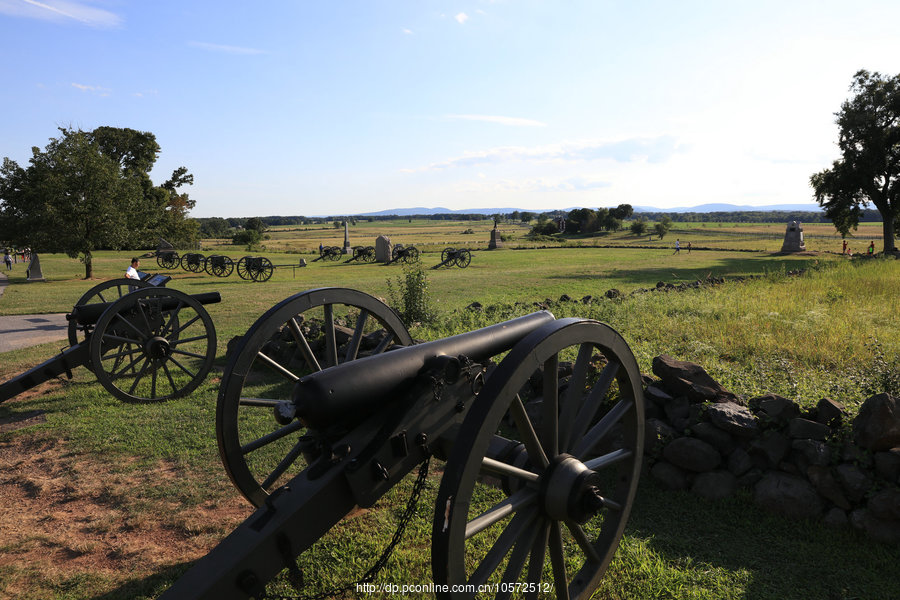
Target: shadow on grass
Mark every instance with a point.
(784, 558)
(151, 586)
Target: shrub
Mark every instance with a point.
(246, 237)
(409, 294)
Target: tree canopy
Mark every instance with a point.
(87, 191)
(869, 168)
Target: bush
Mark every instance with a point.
(409, 295)
(246, 237)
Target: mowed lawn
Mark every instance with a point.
(115, 500)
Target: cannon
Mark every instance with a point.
(255, 268)
(362, 254)
(219, 265)
(460, 257)
(142, 342)
(325, 405)
(329, 253)
(193, 262)
(406, 254)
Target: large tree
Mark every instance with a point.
(90, 190)
(869, 167)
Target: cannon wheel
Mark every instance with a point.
(108, 291)
(153, 344)
(242, 270)
(258, 453)
(223, 269)
(369, 254)
(445, 254)
(565, 490)
(264, 270)
(412, 255)
(395, 252)
(464, 258)
(333, 253)
(209, 265)
(167, 260)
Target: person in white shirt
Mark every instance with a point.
(132, 272)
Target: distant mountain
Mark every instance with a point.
(702, 208)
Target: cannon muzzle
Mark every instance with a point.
(352, 391)
(89, 314)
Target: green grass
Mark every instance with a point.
(803, 337)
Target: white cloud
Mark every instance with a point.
(94, 89)
(61, 11)
(408, 31)
(461, 18)
(511, 121)
(225, 49)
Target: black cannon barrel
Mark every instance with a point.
(357, 388)
(89, 314)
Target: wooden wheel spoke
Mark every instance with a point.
(572, 400)
(120, 340)
(500, 511)
(536, 563)
(185, 325)
(186, 353)
(609, 459)
(122, 354)
(501, 547)
(527, 434)
(517, 559)
(353, 346)
(307, 352)
(277, 366)
(139, 376)
(283, 465)
(495, 467)
(196, 338)
(384, 343)
(594, 400)
(558, 561)
(603, 427)
(153, 382)
(259, 402)
(583, 542)
(165, 368)
(331, 358)
(132, 326)
(182, 367)
(271, 437)
(550, 406)
(172, 318)
(129, 366)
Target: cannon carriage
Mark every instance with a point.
(460, 257)
(326, 404)
(142, 342)
(193, 262)
(364, 254)
(255, 268)
(219, 265)
(166, 256)
(329, 253)
(405, 254)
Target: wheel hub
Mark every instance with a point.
(157, 347)
(570, 490)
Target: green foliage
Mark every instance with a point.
(639, 227)
(247, 237)
(869, 167)
(409, 294)
(255, 224)
(546, 227)
(662, 228)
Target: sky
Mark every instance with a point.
(335, 107)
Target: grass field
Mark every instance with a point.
(112, 500)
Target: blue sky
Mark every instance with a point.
(341, 107)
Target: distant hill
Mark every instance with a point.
(702, 208)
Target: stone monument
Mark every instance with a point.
(495, 239)
(383, 249)
(34, 269)
(793, 238)
(346, 249)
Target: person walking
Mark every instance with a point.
(872, 248)
(689, 247)
(677, 246)
(8, 260)
(844, 249)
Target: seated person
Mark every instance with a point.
(132, 272)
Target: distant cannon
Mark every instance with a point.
(193, 262)
(144, 343)
(325, 405)
(451, 256)
(362, 254)
(329, 253)
(166, 256)
(255, 268)
(219, 265)
(405, 254)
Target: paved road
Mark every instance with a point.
(22, 331)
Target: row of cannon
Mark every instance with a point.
(251, 268)
(326, 403)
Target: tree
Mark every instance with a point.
(90, 190)
(621, 212)
(662, 228)
(256, 224)
(869, 167)
(639, 227)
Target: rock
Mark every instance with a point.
(692, 454)
(677, 411)
(475, 307)
(805, 429)
(714, 485)
(858, 518)
(669, 476)
(887, 464)
(788, 495)
(777, 409)
(750, 478)
(815, 452)
(885, 505)
(836, 519)
(657, 394)
(853, 480)
(827, 486)
(877, 426)
(587, 299)
(656, 432)
(739, 462)
(733, 418)
(613, 293)
(565, 298)
(880, 530)
(714, 436)
(772, 445)
(829, 412)
(688, 379)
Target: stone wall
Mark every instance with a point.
(799, 463)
